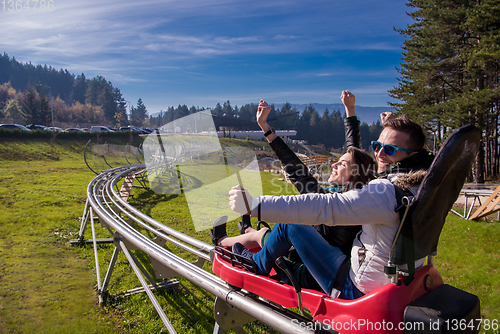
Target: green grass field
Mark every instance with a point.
(48, 286)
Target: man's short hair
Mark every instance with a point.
(404, 124)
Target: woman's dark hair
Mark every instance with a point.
(363, 167)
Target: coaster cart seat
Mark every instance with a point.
(417, 301)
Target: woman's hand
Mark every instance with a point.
(349, 101)
(237, 201)
(262, 112)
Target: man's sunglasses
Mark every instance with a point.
(389, 150)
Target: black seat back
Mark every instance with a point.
(437, 193)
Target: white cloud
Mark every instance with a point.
(204, 45)
(126, 41)
(95, 27)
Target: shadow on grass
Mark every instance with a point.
(147, 199)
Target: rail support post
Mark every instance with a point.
(229, 317)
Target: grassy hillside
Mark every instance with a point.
(48, 286)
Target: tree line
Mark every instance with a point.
(32, 94)
(326, 129)
(96, 101)
(450, 71)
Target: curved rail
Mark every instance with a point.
(85, 157)
(104, 202)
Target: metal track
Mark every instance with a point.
(232, 308)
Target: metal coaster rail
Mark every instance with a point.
(232, 308)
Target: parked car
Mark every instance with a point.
(100, 128)
(14, 127)
(55, 128)
(74, 130)
(133, 128)
(37, 127)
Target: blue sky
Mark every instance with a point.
(204, 52)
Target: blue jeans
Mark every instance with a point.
(320, 258)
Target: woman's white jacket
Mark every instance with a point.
(372, 207)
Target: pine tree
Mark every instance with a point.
(120, 107)
(79, 88)
(315, 126)
(450, 69)
(248, 111)
(303, 124)
(30, 107)
(44, 110)
(218, 111)
(227, 110)
(138, 114)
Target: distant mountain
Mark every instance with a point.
(365, 114)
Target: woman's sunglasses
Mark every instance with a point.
(389, 150)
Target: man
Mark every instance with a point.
(409, 136)
(398, 149)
